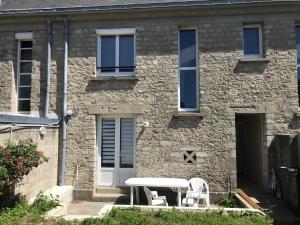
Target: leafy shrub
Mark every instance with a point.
(227, 201)
(16, 161)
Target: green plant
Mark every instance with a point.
(227, 201)
(16, 161)
(33, 213)
(43, 203)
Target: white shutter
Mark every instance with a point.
(126, 142)
(108, 143)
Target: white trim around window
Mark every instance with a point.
(196, 69)
(24, 36)
(23, 74)
(117, 33)
(260, 30)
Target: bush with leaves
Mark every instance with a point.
(16, 161)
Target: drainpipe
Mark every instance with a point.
(49, 26)
(64, 114)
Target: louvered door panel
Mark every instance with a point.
(108, 142)
(126, 142)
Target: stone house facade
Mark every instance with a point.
(133, 110)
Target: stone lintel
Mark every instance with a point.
(111, 109)
(254, 108)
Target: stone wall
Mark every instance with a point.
(227, 86)
(44, 176)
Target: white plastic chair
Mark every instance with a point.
(154, 199)
(198, 189)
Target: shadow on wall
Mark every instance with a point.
(110, 85)
(184, 122)
(284, 158)
(250, 68)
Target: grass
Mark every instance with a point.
(174, 217)
(25, 214)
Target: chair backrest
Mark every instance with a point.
(198, 184)
(148, 195)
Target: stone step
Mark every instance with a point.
(112, 190)
(111, 197)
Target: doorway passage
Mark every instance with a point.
(249, 148)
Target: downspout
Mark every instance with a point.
(49, 26)
(64, 114)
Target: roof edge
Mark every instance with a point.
(156, 5)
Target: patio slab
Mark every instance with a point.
(85, 208)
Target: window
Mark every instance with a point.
(252, 35)
(117, 142)
(24, 71)
(116, 52)
(298, 60)
(188, 71)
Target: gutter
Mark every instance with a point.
(64, 113)
(49, 26)
(154, 5)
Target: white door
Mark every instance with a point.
(116, 150)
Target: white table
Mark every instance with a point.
(157, 182)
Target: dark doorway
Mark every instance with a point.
(249, 145)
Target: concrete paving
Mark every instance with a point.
(85, 208)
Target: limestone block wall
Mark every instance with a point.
(227, 86)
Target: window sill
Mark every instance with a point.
(188, 114)
(254, 60)
(112, 78)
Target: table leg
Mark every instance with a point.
(137, 195)
(131, 195)
(179, 197)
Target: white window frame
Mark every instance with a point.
(260, 36)
(117, 33)
(189, 68)
(20, 37)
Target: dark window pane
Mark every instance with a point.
(108, 53)
(26, 67)
(298, 73)
(25, 80)
(108, 143)
(187, 48)
(126, 142)
(298, 43)
(251, 41)
(126, 56)
(26, 44)
(188, 93)
(24, 92)
(26, 54)
(24, 106)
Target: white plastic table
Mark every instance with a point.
(157, 182)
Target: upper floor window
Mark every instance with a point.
(116, 52)
(252, 35)
(298, 59)
(24, 71)
(188, 70)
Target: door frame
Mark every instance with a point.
(117, 146)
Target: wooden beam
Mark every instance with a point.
(248, 199)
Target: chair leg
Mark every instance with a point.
(207, 202)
